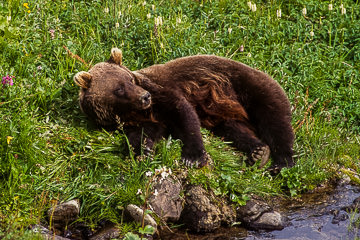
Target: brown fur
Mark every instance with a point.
(233, 100)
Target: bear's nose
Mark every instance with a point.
(146, 99)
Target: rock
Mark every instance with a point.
(355, 206)
(257, 214)
(269, 221)
(65, 212)
(46, 233)
(107, 233)
(166, 203)
(252, 210)
(203, 212)
(228, 214)
(339, 216)
(137, 214)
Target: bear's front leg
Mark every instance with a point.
(142, 138)
(183, 123)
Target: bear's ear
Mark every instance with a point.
(82, 79)
(116, 56)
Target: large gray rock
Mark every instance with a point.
(167, 203)
(203, 212)
(257, 214)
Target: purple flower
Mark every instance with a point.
(8, 80)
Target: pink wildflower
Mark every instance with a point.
(52, 33)
(8, 80)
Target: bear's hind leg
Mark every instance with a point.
(245, 140)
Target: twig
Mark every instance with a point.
(306, 114)
(75, 56)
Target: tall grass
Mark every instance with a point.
(50, 152)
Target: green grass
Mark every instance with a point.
(55, 154)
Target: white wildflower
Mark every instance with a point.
(304, 11)
(253, 7)
(312, 33)
(241, 49)
(330, 7)
(229, 30)
(144, 3)
(278, 13)
(8, 18)
(106, 10)
(249, 54)
(153, 7)
(178, 20)
(343, 10)
(139, 192)
(249, 4)
(117, 25)
(164, 175)
(148, 15)
(158, 20)
(119, 14)
(155, 192)
(148, 174)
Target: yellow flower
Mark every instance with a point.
(28, 11)
(26, 5)
(8, 139)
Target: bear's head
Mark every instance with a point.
(109, 90)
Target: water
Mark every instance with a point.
(310, 217)
(313, 216)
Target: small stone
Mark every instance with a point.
(46, 233)
(252, 210)
(167, 203)
(107, 233)
(269, 221)
(137, 214)
(339, 217)
(257, 214)
(65, 212)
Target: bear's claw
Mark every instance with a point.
(198, 163)
(262, 154)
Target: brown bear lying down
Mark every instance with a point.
(234, 101)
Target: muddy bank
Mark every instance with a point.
(329, 212)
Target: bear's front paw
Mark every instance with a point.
(195, 160)
(260, 153)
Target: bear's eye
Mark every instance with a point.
(120, 91)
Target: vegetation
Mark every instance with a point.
(49, 152)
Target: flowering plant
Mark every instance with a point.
(7, 80)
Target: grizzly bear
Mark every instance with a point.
(234, 101)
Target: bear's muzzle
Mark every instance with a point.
(145, 100)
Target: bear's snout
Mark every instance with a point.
(145, 100)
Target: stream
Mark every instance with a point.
(321, 215)
(317, 216)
